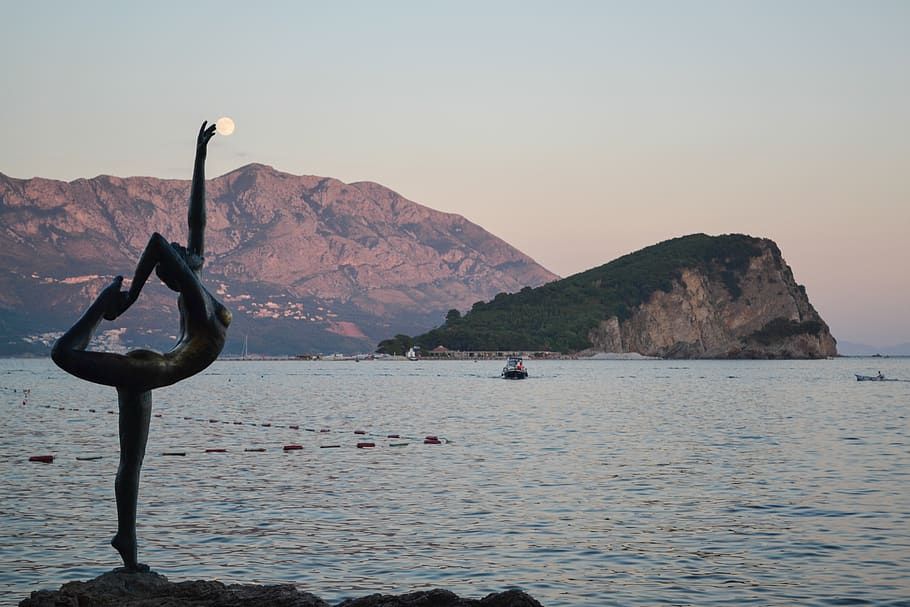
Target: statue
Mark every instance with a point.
(203, 328)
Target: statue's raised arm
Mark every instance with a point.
(195, 245)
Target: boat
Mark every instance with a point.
(515, 368)
(413, 353)
(878, 377)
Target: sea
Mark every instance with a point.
(591, 483)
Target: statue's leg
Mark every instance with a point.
(80, 334)
(135, 416)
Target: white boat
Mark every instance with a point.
(878, 377)
(514, 369)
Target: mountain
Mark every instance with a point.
(699, 296)
(847, 348)
(306, 264)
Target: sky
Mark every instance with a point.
(575, 131)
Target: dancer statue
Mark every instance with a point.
(203, 328)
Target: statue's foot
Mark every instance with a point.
(128, 552)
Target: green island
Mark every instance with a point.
(559, 316)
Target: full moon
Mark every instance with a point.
(224, 126)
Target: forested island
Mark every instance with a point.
(697, 296)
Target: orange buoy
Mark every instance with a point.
(45, 459)
(292, 447)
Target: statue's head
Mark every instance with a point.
(168, 275)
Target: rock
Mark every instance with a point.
(122, 588)
(443, 598)
(149, 589)
(767, 315)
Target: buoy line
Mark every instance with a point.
(361, 443)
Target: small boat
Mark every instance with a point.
(878, 377)
(514, 369)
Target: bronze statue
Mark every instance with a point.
(203, 328)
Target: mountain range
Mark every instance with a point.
(847, 348)
(306, 264)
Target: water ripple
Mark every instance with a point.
(598, 483)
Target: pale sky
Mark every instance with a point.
(576, 131)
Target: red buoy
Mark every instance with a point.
(292, 447)
(46, 459)
(359, 432)
(216, 450)
(393, 436)
(432, 441)
(362, 445)
(294, 427)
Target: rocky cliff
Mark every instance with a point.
(761, 313)
(306, 264)
(697, 296)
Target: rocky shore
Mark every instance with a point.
(129, 589)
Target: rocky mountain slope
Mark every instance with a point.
(767, 315)
(306, 264)
(699, 296)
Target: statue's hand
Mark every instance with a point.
(205, 135)
(116, 302)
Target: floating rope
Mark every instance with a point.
(360, 433)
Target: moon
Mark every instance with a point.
(224, 126)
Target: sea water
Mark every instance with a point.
(590, 483)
